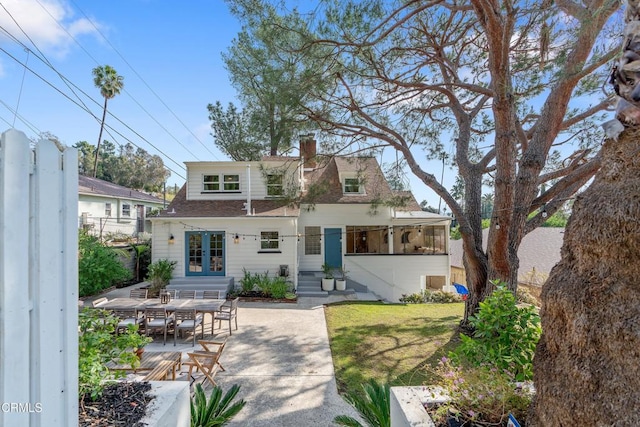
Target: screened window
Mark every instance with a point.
(211, 183)
(312, 240)
(232, 183)
(367, 239)
(419, 239)
(107, 209)
(352, 185)
(269, 241)
(126, 209)
(274, 185)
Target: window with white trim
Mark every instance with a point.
(274, 185)
(352, 186)
(269, 241)
(211, 183)
(126, 209)
(312, 240)
(107, 209)
(217, 183)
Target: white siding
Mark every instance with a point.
(389, 276)
(254, 179)
(91, 211)
(244, 254)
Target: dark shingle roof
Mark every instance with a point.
(98, 187)
(539, 249)
(184, 208)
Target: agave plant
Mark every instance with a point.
(374, 406)
(218, 411)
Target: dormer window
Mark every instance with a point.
(352, 186)
(274, 186)
(220, 183)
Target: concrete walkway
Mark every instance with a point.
(281, 359)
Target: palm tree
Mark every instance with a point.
(110, 84)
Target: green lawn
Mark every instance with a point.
(392, 343)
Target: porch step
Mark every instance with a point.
(203, 283)
(310, 286)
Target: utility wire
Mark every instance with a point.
(144, 82)
(88, 111)
(31, 126)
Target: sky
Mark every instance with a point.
(169, 54)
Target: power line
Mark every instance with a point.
(93, 115)
(145, 83)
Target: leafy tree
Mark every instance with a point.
(133, 168)
(272, 81)
(110, 84)
(493, 81)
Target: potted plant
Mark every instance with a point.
(327, 281)
(159, 275)
(341, 280)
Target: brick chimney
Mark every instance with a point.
(308, 150)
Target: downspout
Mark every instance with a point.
(248, 189)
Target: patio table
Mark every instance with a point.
(200, 305)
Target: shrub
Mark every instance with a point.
(429, 296)
(479, 395)
(160, 274)
(264, 283)
(279, 287)
(98, 265)
(248, 282)
(218, 410)
(504, 336)
(97, 345)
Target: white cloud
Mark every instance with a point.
(49, 23)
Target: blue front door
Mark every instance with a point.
(333, 247)
(204, 253)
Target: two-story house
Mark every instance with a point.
(302, 213)
(106, 208)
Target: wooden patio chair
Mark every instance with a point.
(157, 319)
(138, 293)
(187, 294)
(206, 364)
(228, 312)
(126, 317)
(187, 319)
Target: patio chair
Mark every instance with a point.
(138, 293)
(157, 319)
(228, 312)
(172, 292)
(206, 364)
(212, 294)
(208, 347)
(187, 319)
(126, 317)
(187, 294)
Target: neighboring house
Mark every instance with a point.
(106, 208)
(236, 216)
(538, 253)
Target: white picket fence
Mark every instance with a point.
(38, 283)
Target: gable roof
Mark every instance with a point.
(539, 249)
(327, 174)
(180, 207)
(98, 187)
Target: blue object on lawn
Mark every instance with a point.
(461, 289)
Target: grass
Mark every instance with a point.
(394, 343)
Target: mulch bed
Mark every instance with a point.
(121, 404)
(256, 296)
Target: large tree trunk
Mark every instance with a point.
(586, 363)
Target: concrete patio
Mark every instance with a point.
(281, 359)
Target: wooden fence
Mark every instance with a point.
(38, 283)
